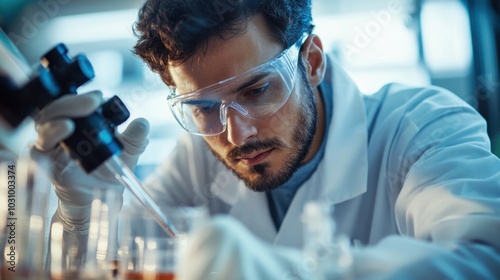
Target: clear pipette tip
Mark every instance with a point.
(127, 178)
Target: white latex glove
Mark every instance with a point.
(225, 249)
(73, 186)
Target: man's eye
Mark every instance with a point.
(256, 91)
(208, 108)
(203, 107)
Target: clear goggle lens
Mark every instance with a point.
(257, 93)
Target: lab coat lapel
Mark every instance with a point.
(251, 208)
(344, 167)
(343, 172)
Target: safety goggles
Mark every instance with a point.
(257, 93)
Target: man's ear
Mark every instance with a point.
(314, 58)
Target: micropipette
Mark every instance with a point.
(93, 142)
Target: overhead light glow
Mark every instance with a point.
(446, 36)
(95, 27)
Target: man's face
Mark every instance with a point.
(264, 153)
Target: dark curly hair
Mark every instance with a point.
(175, 30)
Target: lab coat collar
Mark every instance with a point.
(343, 172)
(344, 168)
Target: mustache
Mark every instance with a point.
(254, 146)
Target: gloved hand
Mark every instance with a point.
(73, 186)
(225, 249)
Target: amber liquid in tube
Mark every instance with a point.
(127, 178)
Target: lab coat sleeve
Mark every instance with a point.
(447, 184)
(399, 257)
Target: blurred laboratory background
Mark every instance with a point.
(450, 43)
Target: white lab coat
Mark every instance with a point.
(403, 161)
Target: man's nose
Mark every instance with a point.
(239, 128)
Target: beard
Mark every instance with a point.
(303, 134)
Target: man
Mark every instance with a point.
(274, 124)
